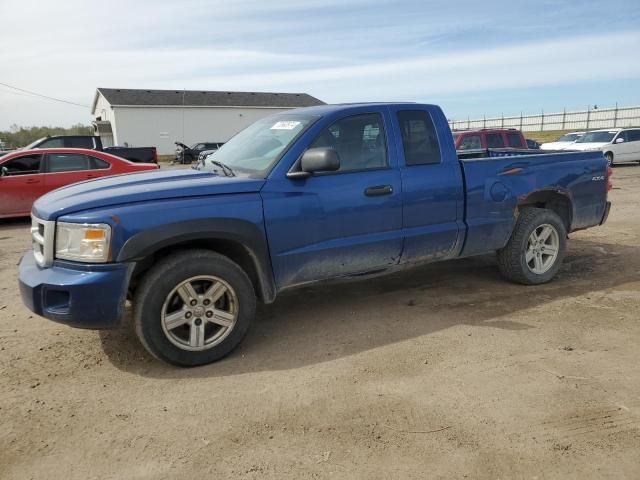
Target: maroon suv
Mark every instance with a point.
(489, 138)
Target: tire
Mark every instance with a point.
(609, 157)
(514, 260)
(193, 308)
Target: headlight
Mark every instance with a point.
(83, 242)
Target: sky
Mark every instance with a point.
(473, 58)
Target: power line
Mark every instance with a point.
(17, 93)
(44, 96)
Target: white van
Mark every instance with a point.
(618, 144)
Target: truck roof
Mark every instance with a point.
(488, 129)
(337, 107)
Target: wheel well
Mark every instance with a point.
(235, 251)
(551, 200)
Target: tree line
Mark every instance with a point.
(18, 136)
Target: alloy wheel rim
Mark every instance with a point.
(542, 249)
(199, 313)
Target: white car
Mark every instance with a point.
(617, 144)
(563, 142)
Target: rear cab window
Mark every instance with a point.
(81, 142)
(514, 140)
(419, 138)
(495, 140)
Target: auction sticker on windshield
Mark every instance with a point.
(285, 125)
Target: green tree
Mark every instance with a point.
(18, 136)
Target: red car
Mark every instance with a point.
(28, 174)
(490, 138)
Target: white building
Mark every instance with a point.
(158, 118)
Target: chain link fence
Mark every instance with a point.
(589, 119)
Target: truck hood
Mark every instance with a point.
(555, 145)
(586, 146)
(139, 187)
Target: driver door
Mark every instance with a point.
(338, 223)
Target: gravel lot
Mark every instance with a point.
(446, 371)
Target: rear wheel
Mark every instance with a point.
(536, 248)
(193, 308)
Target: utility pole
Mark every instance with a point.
(184, 91)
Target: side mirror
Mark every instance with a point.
(317, 160)
(619, 140)
(4, 171)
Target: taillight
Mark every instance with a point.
(609, 175)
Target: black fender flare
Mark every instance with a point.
(242, 233)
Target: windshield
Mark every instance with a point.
(33, 144)
(569, 137)
(256, 149)
(597, 137)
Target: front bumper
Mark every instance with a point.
(79, 295)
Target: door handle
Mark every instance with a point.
(378, 190)
(32, 180)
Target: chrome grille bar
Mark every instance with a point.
(42, 237)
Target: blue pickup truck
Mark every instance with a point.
(303, 196)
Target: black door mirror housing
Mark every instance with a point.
(317, 160)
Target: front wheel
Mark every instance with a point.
(193, 308)
(536, 248)
(609, 158)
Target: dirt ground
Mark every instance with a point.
(446, 371)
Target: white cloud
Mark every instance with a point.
(67, 49)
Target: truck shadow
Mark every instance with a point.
(324, 323)
(15, 222)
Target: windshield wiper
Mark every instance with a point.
(226, 169)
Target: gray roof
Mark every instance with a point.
(200, 98)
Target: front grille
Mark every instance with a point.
(42, 235)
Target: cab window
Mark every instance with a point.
(419, 138)
(470, 142)
(25, 165)
(52, 143)
(359, 141)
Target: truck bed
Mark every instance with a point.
(494, 186)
